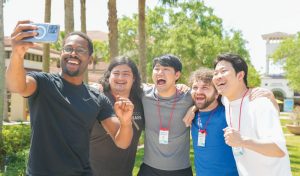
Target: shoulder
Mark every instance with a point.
(263, 105)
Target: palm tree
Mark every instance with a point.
(83, 15)
(83, 29)
(2, 82)
(112, 28)
(46, 47)
(69, 16)
(142, 41)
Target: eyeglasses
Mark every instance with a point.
(79, 50)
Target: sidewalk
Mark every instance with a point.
(15, 123)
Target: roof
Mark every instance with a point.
(98, 35)
(277, 36)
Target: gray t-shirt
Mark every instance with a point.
(175, 154)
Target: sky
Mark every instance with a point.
(252, 17)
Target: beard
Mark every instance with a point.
(65, 69)
(208, 101)
(70, 73)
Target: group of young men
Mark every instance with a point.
(76, 132)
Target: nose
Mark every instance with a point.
(217, 76)
(199, 91)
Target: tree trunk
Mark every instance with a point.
(2, 84)
(83, 29)
(113, 29)
(46, 47)
(142, 41)
(69, 16)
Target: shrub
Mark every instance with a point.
(16, 140)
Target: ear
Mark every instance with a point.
(241, 75)
(177, 75)
(91, 59)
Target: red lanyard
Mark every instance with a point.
(199, 121)
(171, 113)
(241, 105)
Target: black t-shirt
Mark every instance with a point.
(62, 116)
(105, 157)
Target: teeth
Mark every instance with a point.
(73, 62)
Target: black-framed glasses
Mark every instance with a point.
(78, 50)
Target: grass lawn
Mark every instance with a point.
(292, 141)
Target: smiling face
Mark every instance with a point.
(74, 57)
(204, 95)
(164, 79)
(121, 80)
(227, 81)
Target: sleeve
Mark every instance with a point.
(37, 76)
(106, 108)
(268, 122)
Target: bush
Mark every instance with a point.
(16, 140)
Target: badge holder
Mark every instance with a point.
(238, 151)
(163, 136)
(201, 138)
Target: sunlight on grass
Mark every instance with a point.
(292, 142)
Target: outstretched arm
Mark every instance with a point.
(16, 79)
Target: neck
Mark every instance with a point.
(238, 93)
(211, 107)
(168, 93)
(76, 80)
(121, 94)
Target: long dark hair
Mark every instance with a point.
(136, 89)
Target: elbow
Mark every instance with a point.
(123, 146)
(281, 154)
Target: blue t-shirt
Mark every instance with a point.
(216, 157)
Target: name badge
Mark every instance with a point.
(237, 151)
(201, 138)
(163, 136)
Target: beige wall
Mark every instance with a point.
(17, 108)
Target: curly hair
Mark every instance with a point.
(136, 89)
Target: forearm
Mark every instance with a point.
(16, 74)
(124, 136)
(263, 147)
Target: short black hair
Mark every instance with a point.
(237, 62)
(83, 35)
(136, 89)
(168, 60)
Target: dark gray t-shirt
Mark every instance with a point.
(106, 158)
(175, 154)
(61, 116)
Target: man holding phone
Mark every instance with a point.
(62, 108)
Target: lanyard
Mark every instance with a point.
(171, 113)
(200, 123)
(241, 105)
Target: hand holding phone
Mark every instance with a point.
(46, 33)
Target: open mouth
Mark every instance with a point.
(200, 98)
(120, 85)
(73, 61)
(161, 82)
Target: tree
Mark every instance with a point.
(187, 29)
(69, 16)
(289, 50)
(83, 29)
(46, 47)
(2, 83)
(142, 41)
(100, 52)
(112, 24)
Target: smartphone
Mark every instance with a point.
(46, 33)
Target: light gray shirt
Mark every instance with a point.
(175, 154)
